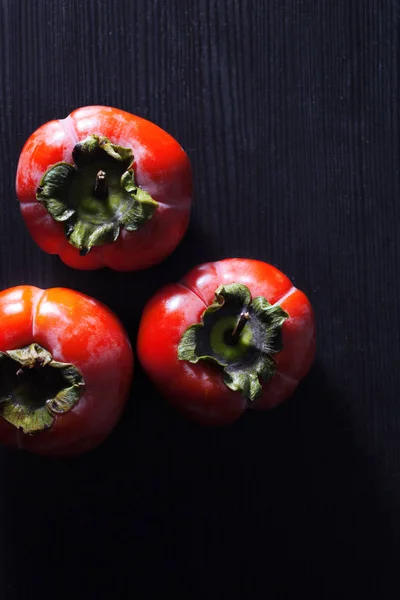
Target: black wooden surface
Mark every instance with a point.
(289, 110)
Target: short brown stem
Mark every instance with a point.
(100, 189)
(241, 322)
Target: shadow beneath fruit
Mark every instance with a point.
(295, 482)
(193, 504)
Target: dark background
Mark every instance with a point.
(289, 111)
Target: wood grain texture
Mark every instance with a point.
(289, 112)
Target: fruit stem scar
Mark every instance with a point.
(100, 189)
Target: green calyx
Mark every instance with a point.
(97, 196)
(238, 334)
(34, 388)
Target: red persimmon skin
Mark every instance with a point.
(197, 390)
(161, 167)
(75, 329)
